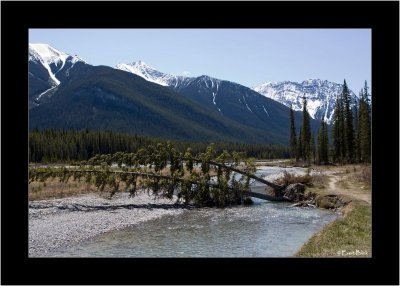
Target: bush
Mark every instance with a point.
(364, 176)
(319, 180)
(289, 178)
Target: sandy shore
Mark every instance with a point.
(56, 223)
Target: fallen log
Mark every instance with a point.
(302, 203)
(279, 187)
(265, 196)
(245, 193)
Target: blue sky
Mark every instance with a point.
(246, 56)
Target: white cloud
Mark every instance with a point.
(185, 73)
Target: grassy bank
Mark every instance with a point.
(351, 235)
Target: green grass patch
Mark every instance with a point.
(347, 237)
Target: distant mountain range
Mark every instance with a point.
(65, 91)
(320, 94)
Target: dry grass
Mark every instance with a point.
(320, 180)
(343, 183)
(363, 175)
(289, 178)
(53, 188)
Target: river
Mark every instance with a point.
(264, 229)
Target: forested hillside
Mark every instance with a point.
(51, 145)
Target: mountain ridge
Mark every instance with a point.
(136, 98)
(106, 98)
(320, 94)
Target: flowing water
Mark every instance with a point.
(264, 229)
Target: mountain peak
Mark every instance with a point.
(321, 95)
(145, 71)
(48, 54)
(48, 66)
(149, 73)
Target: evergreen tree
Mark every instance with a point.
(356, 123)
(323, 143)
(312, 146)
(305, 132)
(299, 148)
(319, 147)
(334, 133)
(348, 125)
(338, 130)
(293, 139)
(365, 126)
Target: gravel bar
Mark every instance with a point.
(57, 223)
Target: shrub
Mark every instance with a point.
(364, 176)
(289, 178)
(319, 180)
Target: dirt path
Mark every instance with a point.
(340, 185)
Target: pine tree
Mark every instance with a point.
(299, 149)
(338, 131)
(348, 125)
(312, 146)
(335, 132)
(323, 143)
(293, 139)
(319, 147)
(365, 127)
(305, 132)
(356, 122)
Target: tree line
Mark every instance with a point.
(61, 145)
(351, 132)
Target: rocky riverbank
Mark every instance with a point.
(57, 223)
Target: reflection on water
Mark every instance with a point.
(264, 229)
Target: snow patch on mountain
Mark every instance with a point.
(265, 110)
(47, 56)
(147, 72)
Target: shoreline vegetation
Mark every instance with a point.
(351, 235)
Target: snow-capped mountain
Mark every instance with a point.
(145, 71)
(178, 83)
(48, 67)
(320, 94)
(231, 100)
(67, 92)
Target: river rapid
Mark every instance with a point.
(264, 229)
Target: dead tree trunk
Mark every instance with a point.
(246, 193)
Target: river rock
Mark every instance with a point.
(294, 192)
